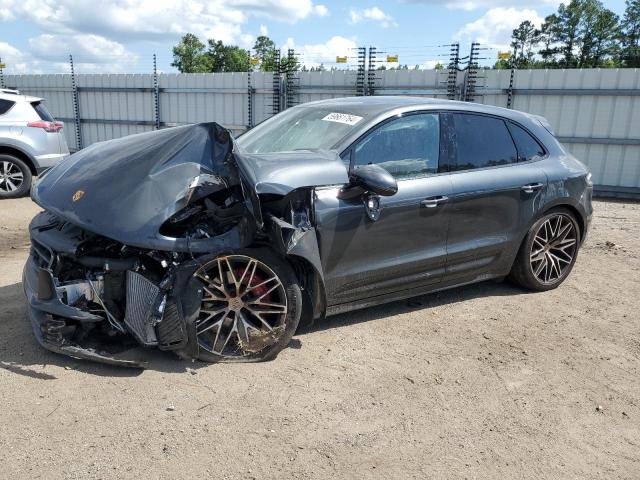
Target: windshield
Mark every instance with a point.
(301, 128)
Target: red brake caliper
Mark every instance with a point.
(257, 280)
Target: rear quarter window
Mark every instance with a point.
(528, 147)
(5, 106)
(42, 112)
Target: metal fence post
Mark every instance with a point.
(472, 73)
(76, 105)
(277, 84)
(360, 76)
(250, 93)
(452, 74)
(292, 80)
(1, 75)
(156, 94)
(511, 78)
(371, 72)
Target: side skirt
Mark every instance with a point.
(404, 294)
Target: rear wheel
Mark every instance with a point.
(15, 177)
(548, 252)
(250, 309)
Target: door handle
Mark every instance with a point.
(433, 202)
(531, 187)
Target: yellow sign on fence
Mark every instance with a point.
(3, 65)
(392, 58)
(341, 59)
(504, 55)
(255, 60)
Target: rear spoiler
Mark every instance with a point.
(545, 123)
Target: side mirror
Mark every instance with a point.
(374, 179)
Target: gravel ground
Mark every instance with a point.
(485, 381)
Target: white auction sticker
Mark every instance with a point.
(342, 118)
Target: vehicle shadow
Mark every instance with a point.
(22, 355)
(488, 288)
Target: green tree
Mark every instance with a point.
(290, 64)
(266, 52)
(630, 34)
(524, 39)
(227, 58)
(568, 31)
(582, 34)
(598, 32)
(189, 55)
(548, 36)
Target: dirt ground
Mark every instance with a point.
(485, 381)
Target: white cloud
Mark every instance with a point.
(5, 12)
(373, 14)
(16, 61)
(20, 62)
(494, 28)
(312, 55)
(156, 19)
(284, 10)
(321, 10)
(89, 28)
(264, 30)
(85, 48)
(476, 4)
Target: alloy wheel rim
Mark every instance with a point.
(11, 176)
(553, 249)
(243, 308)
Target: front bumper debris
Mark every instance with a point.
(47, 315)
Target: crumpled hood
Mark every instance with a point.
(126, 188)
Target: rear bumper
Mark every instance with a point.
(49, 316)
(45, 162)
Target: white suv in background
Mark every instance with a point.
(31, 141)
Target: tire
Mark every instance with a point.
(271, 283)
(540, 265)
(15, 177)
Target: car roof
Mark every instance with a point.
(18, 97)
(376, 106)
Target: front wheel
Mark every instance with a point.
(548, 252)
(250, 308)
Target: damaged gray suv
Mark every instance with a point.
(187, 240)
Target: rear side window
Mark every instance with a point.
(480, 142)
(5, 106)
(42, 112)
(406, 147)
(528, 147)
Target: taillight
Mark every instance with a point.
(50, 127)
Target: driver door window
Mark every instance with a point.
(407, 147)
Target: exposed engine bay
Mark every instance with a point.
(115, 267)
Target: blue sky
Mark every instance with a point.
(122, 35)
